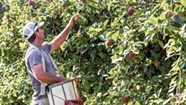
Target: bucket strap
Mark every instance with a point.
(43, 85)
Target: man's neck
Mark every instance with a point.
(37, 42)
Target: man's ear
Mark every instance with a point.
(36, 33)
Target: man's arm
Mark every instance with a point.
(56, 43)
(44, 76)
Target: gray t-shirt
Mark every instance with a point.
(34, 58)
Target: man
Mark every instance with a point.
(40, 65)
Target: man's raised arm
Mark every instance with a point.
(58, 40)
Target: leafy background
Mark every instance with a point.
(108, 74)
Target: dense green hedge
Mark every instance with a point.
(145, 64)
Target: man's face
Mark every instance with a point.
(41, 35)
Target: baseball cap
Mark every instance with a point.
(30, 28)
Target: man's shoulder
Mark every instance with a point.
(31, 51)
(46, 46)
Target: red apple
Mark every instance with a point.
(132, 54)
(125, 99)
(84, 1)
(109, 42)
(133, 75)
(8, 16)
(64, 5)
(1, 5)
(130, 12)
(175, 16)
(157, 63)
(31, 2)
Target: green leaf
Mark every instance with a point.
(155, 78)
(102, 37)
(153, 19)
(147, 62)
(106, 22)
(138, 79)
(92, 29)
(183, 2)
(148, 39)
(155, 8)
(182, 65)
(179, 20)
(115, 35)
(108, 34)
(161, 43)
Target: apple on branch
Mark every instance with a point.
(8, 16)
(1, 5)
(31, 2)
(130, 12)
(157, 63)
(132, 54)
(125, 100)
(64, 5)
(109, 42)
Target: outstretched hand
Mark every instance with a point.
(74, 19)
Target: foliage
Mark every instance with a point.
(154, 75)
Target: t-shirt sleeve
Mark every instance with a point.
(47, 47)
(34, 58)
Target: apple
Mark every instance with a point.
(84, 1)
(132, 54)
(133, 75)
(168, 14)
(178, 19)
(31, 2)
(175, 16)
(8, 16)
(64, 5)
(76, 19)
(50, 1)
(125, 99)
(157, 63)
(76, 79)
(109, 42)
(1, 5)
(130, 12)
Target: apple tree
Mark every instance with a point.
(123, 51)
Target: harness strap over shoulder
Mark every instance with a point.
(43, 85)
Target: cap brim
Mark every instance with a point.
(41, 24)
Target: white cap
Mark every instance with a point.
(30, 28)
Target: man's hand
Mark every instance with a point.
(74, 19)
(62, 78)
